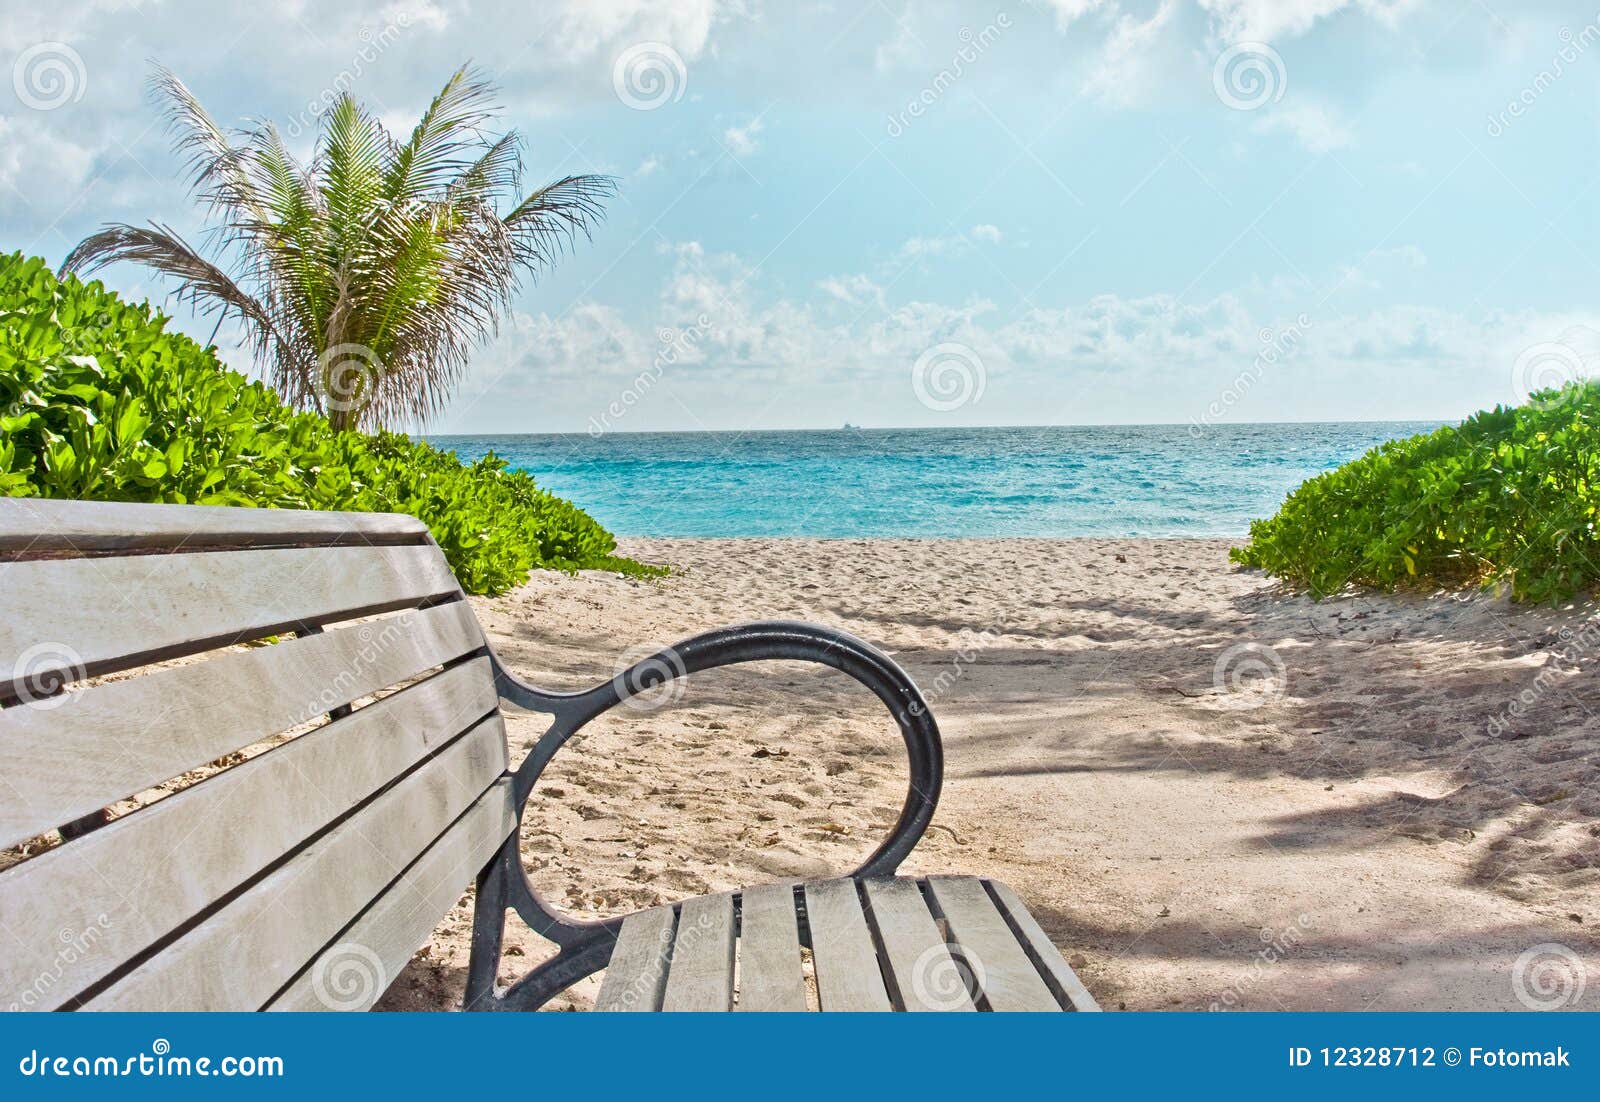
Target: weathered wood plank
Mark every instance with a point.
(140, 877)
(239, 957)
(770, 973)
(144, 730)
(848, 974)
(701, 976)
(637, 974)
(63, 619)
(365, 959)
(1058, 975)
(925, 976)
(37, 524)
(1008, 978)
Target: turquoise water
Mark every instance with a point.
(1135, 480)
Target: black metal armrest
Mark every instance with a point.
(585, 946)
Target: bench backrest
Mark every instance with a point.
(299, 850)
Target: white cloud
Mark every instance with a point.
(916, 248)
(648, 166)
(1070, 11)
(1317, 127)
(852, 290)
(31, 150)
(1133, 58)
(1266, 20)
(741, 140)
(587, 27)
(985, 231)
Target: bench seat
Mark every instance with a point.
(253, 757)
(945, 943)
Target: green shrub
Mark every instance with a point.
(98, 401)
(1509, 496)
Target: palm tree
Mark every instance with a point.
(365, 279)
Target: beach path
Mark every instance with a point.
(1211, 793)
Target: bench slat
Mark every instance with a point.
(848, 976)
(637, 974)
(1058, 975)
(366, 958)
(239, 957)
(140, 877)
(701, 975)
(925, 975)
(78, 617)
(144, 730)
(1008, 978)
(770, 973)
(38, 524)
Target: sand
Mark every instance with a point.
(1380, 802)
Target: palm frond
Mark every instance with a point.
(396, 247)
(548, 221)
(200, 282)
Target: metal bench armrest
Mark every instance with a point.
(505, 884)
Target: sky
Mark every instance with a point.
(925, 214)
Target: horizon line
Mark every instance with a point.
(948, 428)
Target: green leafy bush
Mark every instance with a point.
(1510, 496)
(98, 401)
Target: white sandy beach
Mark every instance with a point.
(1360, 834)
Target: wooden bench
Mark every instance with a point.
(347, 778)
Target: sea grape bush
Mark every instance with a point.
(98, 401)
(1508, 497)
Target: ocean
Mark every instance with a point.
(1122, 480)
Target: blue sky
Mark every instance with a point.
(1098, 211)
